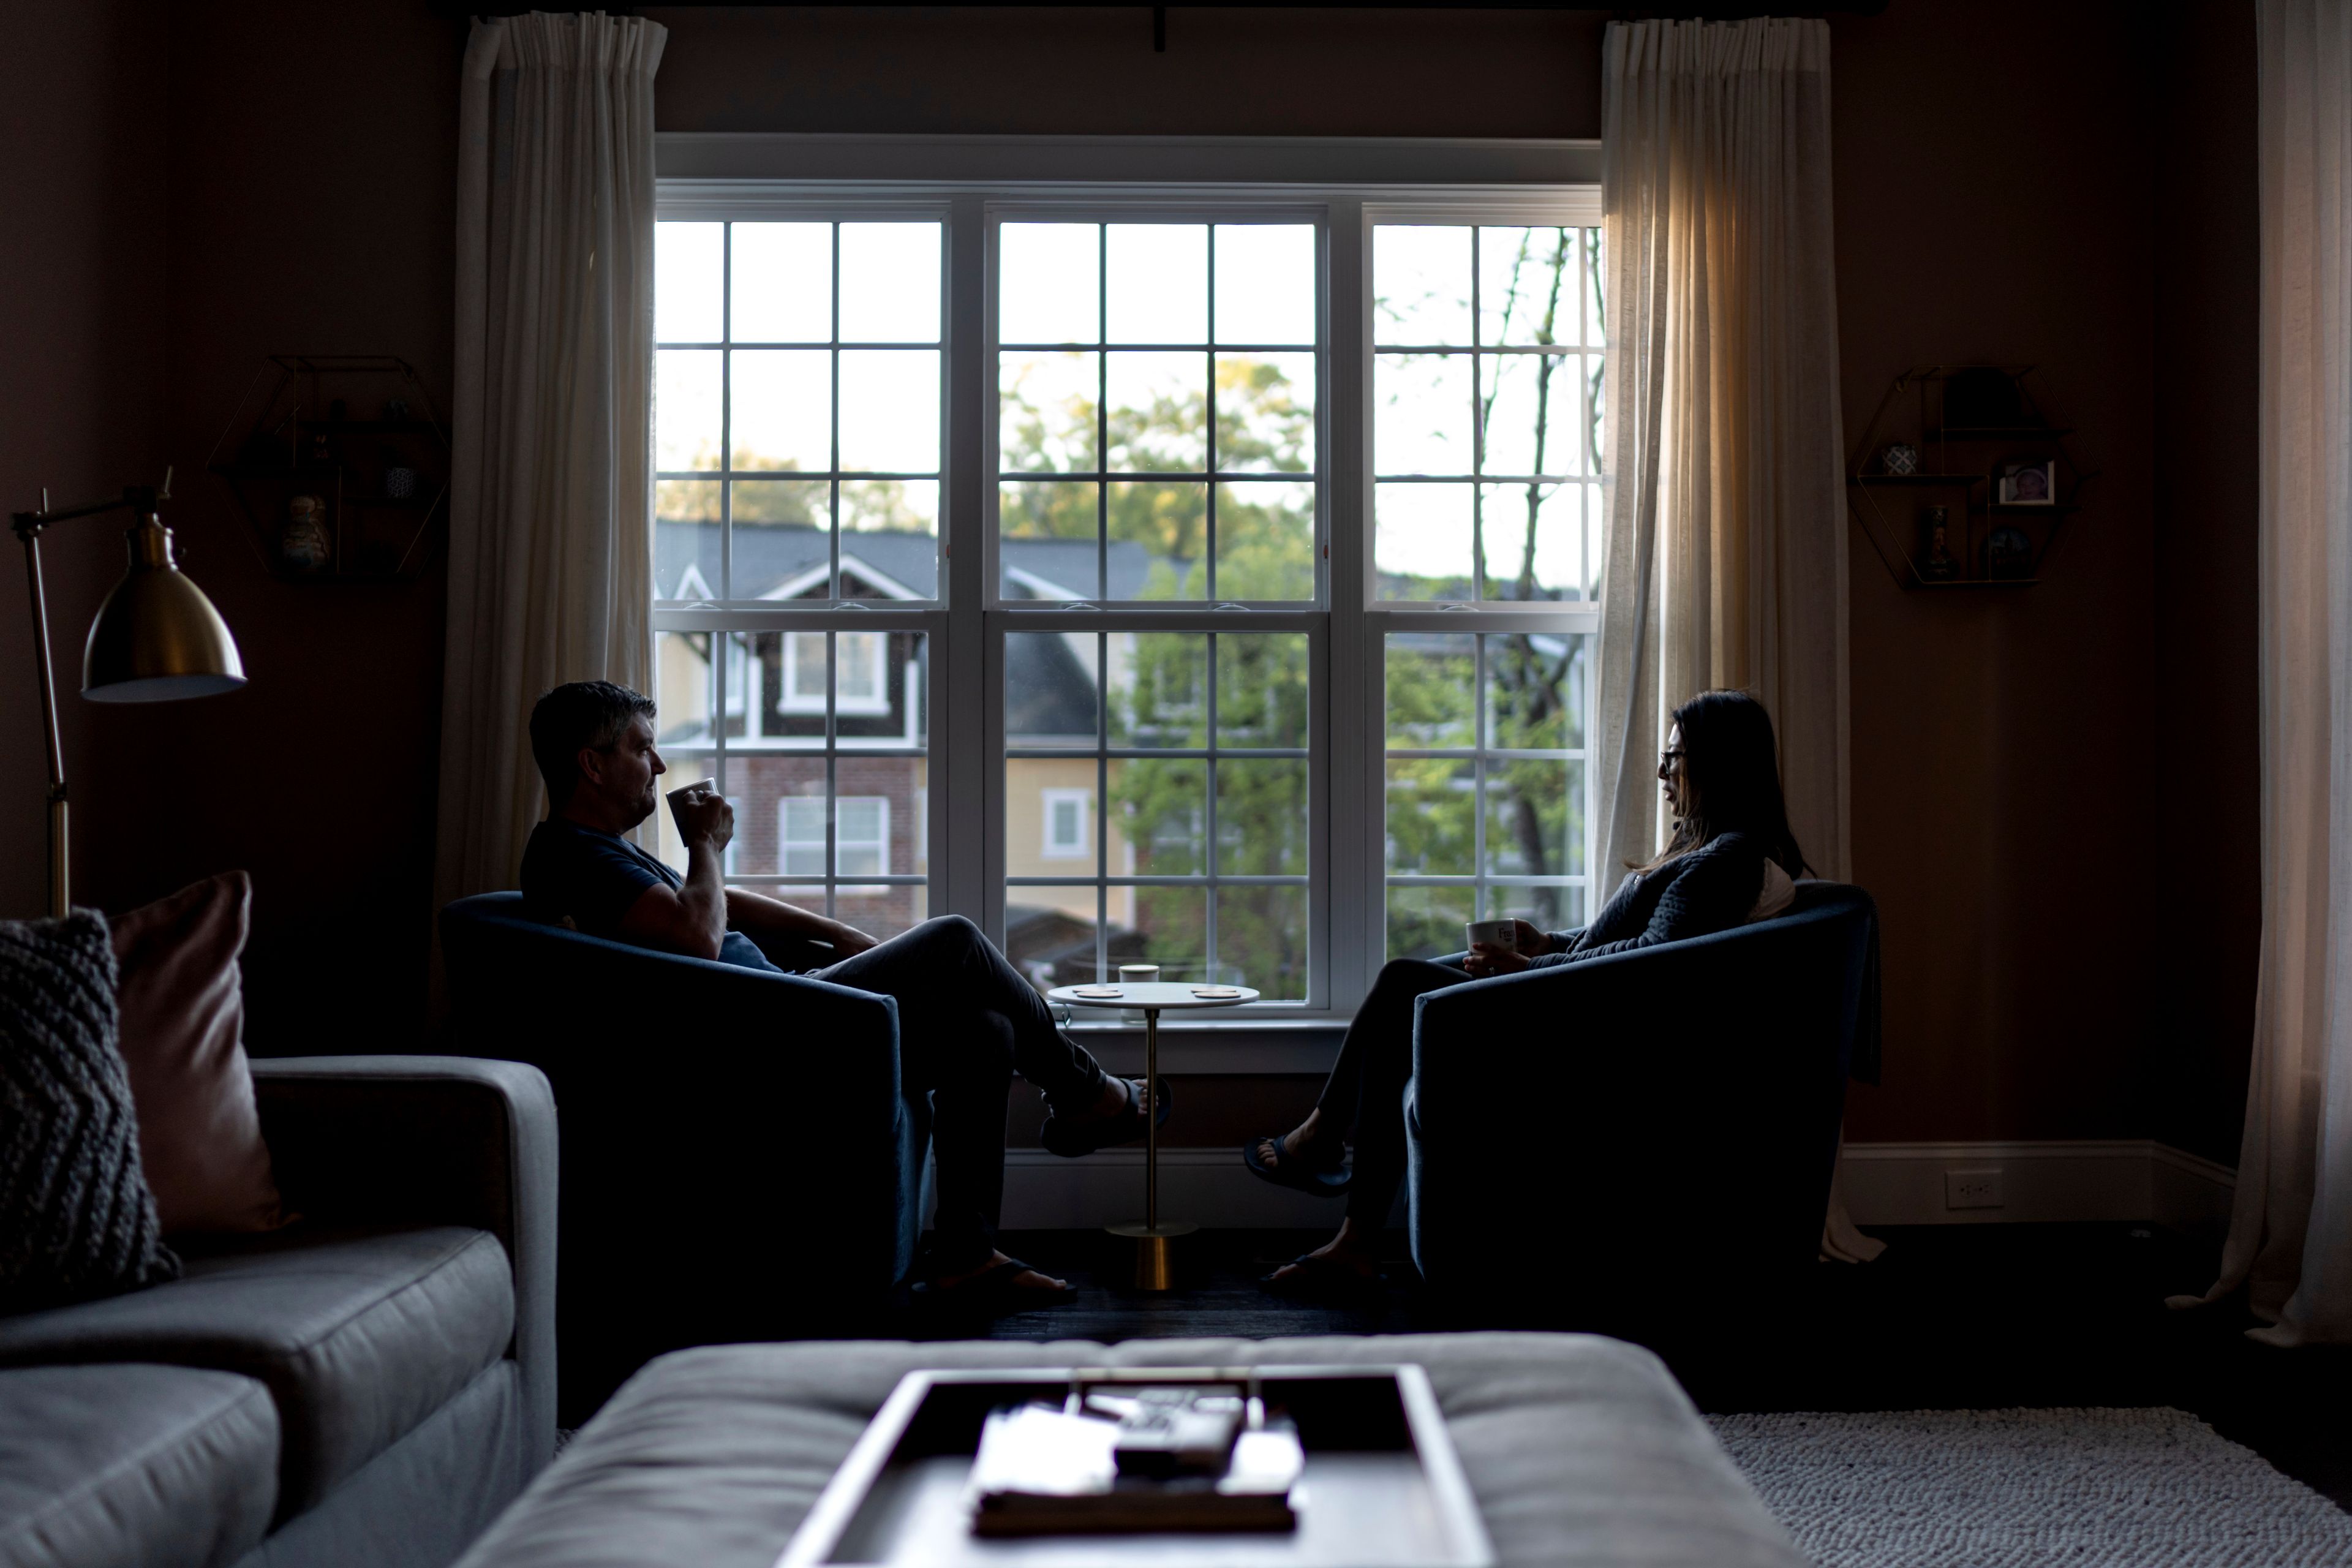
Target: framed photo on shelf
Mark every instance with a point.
(2028, 484)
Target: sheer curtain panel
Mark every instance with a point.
(2291, 1233)
(1726, 561)
(550, 543)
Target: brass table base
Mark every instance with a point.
(1155, 1261)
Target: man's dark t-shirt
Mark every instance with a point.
(593, 877)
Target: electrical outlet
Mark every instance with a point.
(1972, 1189)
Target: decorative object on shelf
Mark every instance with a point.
(1966, 426)
(156, 639)
(399, 479)
(2008, 553)
(304, 544)
(1939, 564)
(379, 487)
(2028, 484)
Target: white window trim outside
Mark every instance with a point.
(878, 672)
(786, 843)
(1051, 846)
(1349, 184)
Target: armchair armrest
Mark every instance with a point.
(438, 1140)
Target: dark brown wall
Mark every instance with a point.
(287, 188)
(2002, 737)
(2002, 744)
(81, 382)
(1228, 71)
(2205, 925)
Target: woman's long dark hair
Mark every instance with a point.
(1731, 780)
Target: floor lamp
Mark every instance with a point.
(156, 639)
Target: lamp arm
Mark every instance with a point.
(28, 526)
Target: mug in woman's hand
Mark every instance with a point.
(1500, 934)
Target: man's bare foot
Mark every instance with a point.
(1350, 1249)
(1027, 1280)
(1301, 1143)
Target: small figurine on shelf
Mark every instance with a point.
(303, 544)
(395, 409)
(1939, 566)
(1901, 458)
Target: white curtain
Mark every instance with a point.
(1727, 564)
(550, 541)
(2291, 1233)
(1727, 553)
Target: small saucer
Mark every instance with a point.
(1096, 991)
(1215, 992)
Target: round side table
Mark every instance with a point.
(1154, 1268)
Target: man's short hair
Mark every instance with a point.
(580, 713)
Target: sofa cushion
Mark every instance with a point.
(359, 1334)
(181, 1007)
(1581, 1451)
(163, 1466)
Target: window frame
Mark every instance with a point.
(721, 179)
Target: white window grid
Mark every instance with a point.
(964, 820)
(861, 681)
(834, 475)
(861, 837)
(1585, 358)
(1102, 751)
(1489, 888)
(1212, 475)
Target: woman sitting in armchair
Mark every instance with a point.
(1732, 859)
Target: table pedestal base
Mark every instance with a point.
(1155, 1262)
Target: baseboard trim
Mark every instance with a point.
(2109, 1179)
(2085, 1179)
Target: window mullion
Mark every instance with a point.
(1349, 898)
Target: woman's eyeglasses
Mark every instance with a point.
(1667, 759)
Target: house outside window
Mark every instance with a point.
(1266, 635)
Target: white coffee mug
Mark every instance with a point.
(1504, 935)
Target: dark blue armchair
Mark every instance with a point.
(1643, 1137)
(737, 1161)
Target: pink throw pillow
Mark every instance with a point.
(183, 1023)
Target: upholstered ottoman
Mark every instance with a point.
(1581, 1450)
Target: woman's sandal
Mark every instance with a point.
(993, 1292)
(1288, 1171)
(1320, 1279)
(1071, 1138)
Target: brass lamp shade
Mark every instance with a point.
(157, 639)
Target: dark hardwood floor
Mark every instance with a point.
(1952, 1316)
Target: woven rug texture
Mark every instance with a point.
(2025, 1489)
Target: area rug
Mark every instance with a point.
(2024, 1489)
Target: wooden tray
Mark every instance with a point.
(1381, 1487)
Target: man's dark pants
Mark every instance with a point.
(967, 1023)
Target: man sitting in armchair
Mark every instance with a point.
(967, 1019)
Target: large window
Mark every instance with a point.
(1487, 369)
(799, 404)
(1249, 546)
